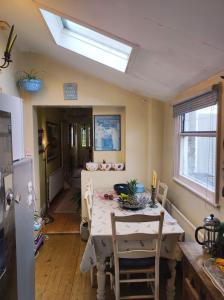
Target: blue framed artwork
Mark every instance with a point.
(70, 91)
(107, 133)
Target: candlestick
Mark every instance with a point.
(153, 198)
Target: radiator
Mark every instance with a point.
(56, 183)
(187, 226)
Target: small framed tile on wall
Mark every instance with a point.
(70, 91)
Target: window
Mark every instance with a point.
(85, 136)
(196, 145)
(87, 42)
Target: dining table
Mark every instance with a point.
(99, 245)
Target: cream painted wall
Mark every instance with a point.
(192, 206)
(155, 143)
(95, 92)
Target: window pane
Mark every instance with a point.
(204, 119)
(198, 160)
(83, 137)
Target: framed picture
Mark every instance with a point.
(40, 140)
(107, 133)
(70, 91)
(54, 140)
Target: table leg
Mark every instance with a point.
(170, 289)
(101, 280)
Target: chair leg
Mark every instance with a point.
(111, 281)
(93, 277)
(117, 286)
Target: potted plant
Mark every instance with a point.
(84, 230)
(30, 81)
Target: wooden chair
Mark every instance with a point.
(161, 193)
(137, 261)
(88, 198)
(89, 186)
(89, 204)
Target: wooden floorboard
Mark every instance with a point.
(57, 271)
(58, 276)
(64, 223)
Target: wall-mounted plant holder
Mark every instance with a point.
(30, 81)
(31, 85)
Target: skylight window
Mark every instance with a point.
(88, 42)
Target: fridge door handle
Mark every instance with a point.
(9, 197)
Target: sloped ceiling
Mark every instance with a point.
(180, 42)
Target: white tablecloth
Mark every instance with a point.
(99, 245)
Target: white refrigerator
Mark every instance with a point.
(14, 106)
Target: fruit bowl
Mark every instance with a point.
(134, 203)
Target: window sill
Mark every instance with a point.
(194, 191)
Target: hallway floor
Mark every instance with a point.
(66, 214)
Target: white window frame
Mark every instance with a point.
(191, 185)
(106, 49)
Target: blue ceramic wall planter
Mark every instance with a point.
(31, 85)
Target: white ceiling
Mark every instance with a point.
(181, 42)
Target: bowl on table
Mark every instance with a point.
(105, 166)
(91, 166)
(118, 166)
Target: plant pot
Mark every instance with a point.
(31, 85)
(84, 231)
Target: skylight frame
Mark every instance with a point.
(86, 41)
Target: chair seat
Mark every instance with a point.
(136, 263)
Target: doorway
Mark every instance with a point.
(67, 132)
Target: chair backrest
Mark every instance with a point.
(137, 253)
(88, 198)
(161, 193)
(89, 186)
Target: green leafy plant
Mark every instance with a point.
(132, 187)
(29, 75)
(131, 196)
